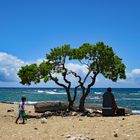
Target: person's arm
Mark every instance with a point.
(114, 103)
(23, 106)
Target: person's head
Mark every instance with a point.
(23, 99)
(109, 89)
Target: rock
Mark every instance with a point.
(80, 120)
(73, 138)
(92, 115)
(38, 116)
(42, 107)
(78, 137)
(47, 114)
(98, 115)
(62, 113)
(115, 135)
(35, 128)
(68, 136)
(43, 120)
(74, 113)
(89, 110)
(95, 107)
(29, 112)
(10, 110)
(30, 116)
(128, 111)
(83, 113)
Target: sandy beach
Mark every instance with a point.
(67, 128)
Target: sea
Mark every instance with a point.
(125, 97)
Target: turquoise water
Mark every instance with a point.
(125, 97)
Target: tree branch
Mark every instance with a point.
(76, 75)
(92, 83)
(64, 76)
(79, 81)
(84, 63)
(56, 81)
(75, 92)
(86, 76)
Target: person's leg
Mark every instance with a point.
(17, 119)
(23, 120)
(23, 117)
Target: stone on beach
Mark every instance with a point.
(78, 137)
(10, 110)
(43, 120)
(42, 107)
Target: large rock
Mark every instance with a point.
(42, 107)
(98, 109)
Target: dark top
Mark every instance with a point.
(108, 99)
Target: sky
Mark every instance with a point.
(31, 28)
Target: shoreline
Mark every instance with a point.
(31, 103)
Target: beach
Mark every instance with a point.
(66, 128)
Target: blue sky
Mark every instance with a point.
(30, 28)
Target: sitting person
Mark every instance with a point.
(109, 101)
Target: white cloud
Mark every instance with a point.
(9, 65)
(38, 61)
(134, 76)
(81, 69)
(132, 79)
(134, 73)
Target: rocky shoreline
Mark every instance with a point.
(49, 109)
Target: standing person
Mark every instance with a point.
(109, 100)
(22, 114)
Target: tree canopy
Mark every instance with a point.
(98, 59)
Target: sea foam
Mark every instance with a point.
(53, 92)
(136, 112)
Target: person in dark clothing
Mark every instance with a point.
(109, 100)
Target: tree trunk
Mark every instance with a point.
(70, 106)
(85, 94)
(82, 103)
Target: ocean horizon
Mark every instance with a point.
(125, 97)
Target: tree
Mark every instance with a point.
(51, 69)
(98, 59)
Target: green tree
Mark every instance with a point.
(51, 69)
(98, 59)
